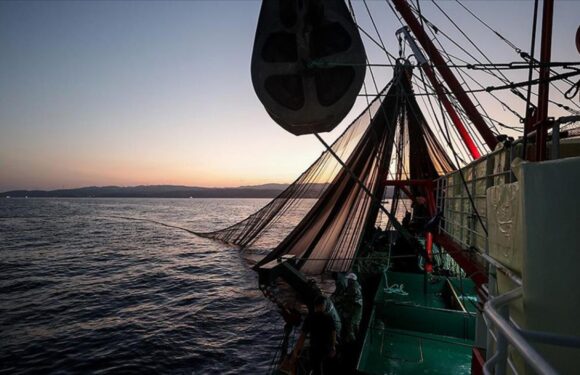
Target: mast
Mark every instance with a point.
(439, 90)
(539, 122)
(475, 117)
(472, 268)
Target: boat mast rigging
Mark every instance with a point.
(422, 62)
(405, 11)
(538, 122)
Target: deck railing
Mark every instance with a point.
(504, 332)
(461, 197)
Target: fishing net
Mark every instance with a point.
(321, 218)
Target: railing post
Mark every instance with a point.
(555, 150)
(502, 344)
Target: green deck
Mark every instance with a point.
(425, 327)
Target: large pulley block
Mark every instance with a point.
(308, 63)
(578, 39)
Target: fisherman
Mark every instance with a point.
(322, 329)
(340, 283)
(330, 304)
(331, 310)
(352, 309)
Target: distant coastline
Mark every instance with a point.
(154, 191)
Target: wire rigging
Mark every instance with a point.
(524, 55)
(403, 24)
(382, 46)
(437, 30)
(459, 72)
(464, 182)
(473, 134)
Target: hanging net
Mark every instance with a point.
(322, 217)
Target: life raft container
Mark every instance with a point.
(308, 63)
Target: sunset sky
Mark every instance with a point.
(130, 93)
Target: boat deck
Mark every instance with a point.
(420, 325)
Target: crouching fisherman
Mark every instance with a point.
(352, 309)
(321, 327)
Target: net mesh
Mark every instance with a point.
(323, 215)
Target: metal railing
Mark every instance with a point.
(506, 333)
(460, 223)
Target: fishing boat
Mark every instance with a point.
(463, 237)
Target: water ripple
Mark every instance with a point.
(82, 291)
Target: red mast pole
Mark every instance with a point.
(475, 117)
(439, 90)
(452, 113)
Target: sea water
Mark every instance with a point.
(83, 289)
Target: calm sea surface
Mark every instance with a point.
(83, 291)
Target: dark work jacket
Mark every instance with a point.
(320, 326)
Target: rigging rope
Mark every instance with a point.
(464, 182)
(468, 39)
(475, 135)
(154, 222)
(503, 78)
(382, 45)
(403, 24)
(524, 55)
(447, 139)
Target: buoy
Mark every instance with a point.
(308, 63)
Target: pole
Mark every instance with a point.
(475, 117)
(452, 113)
(422, 61)
(542, 122)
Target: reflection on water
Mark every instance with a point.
(81, 290)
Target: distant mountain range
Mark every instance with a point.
(169, 191)
(153, 191)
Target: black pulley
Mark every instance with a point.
(308, 63)
(578, 39)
